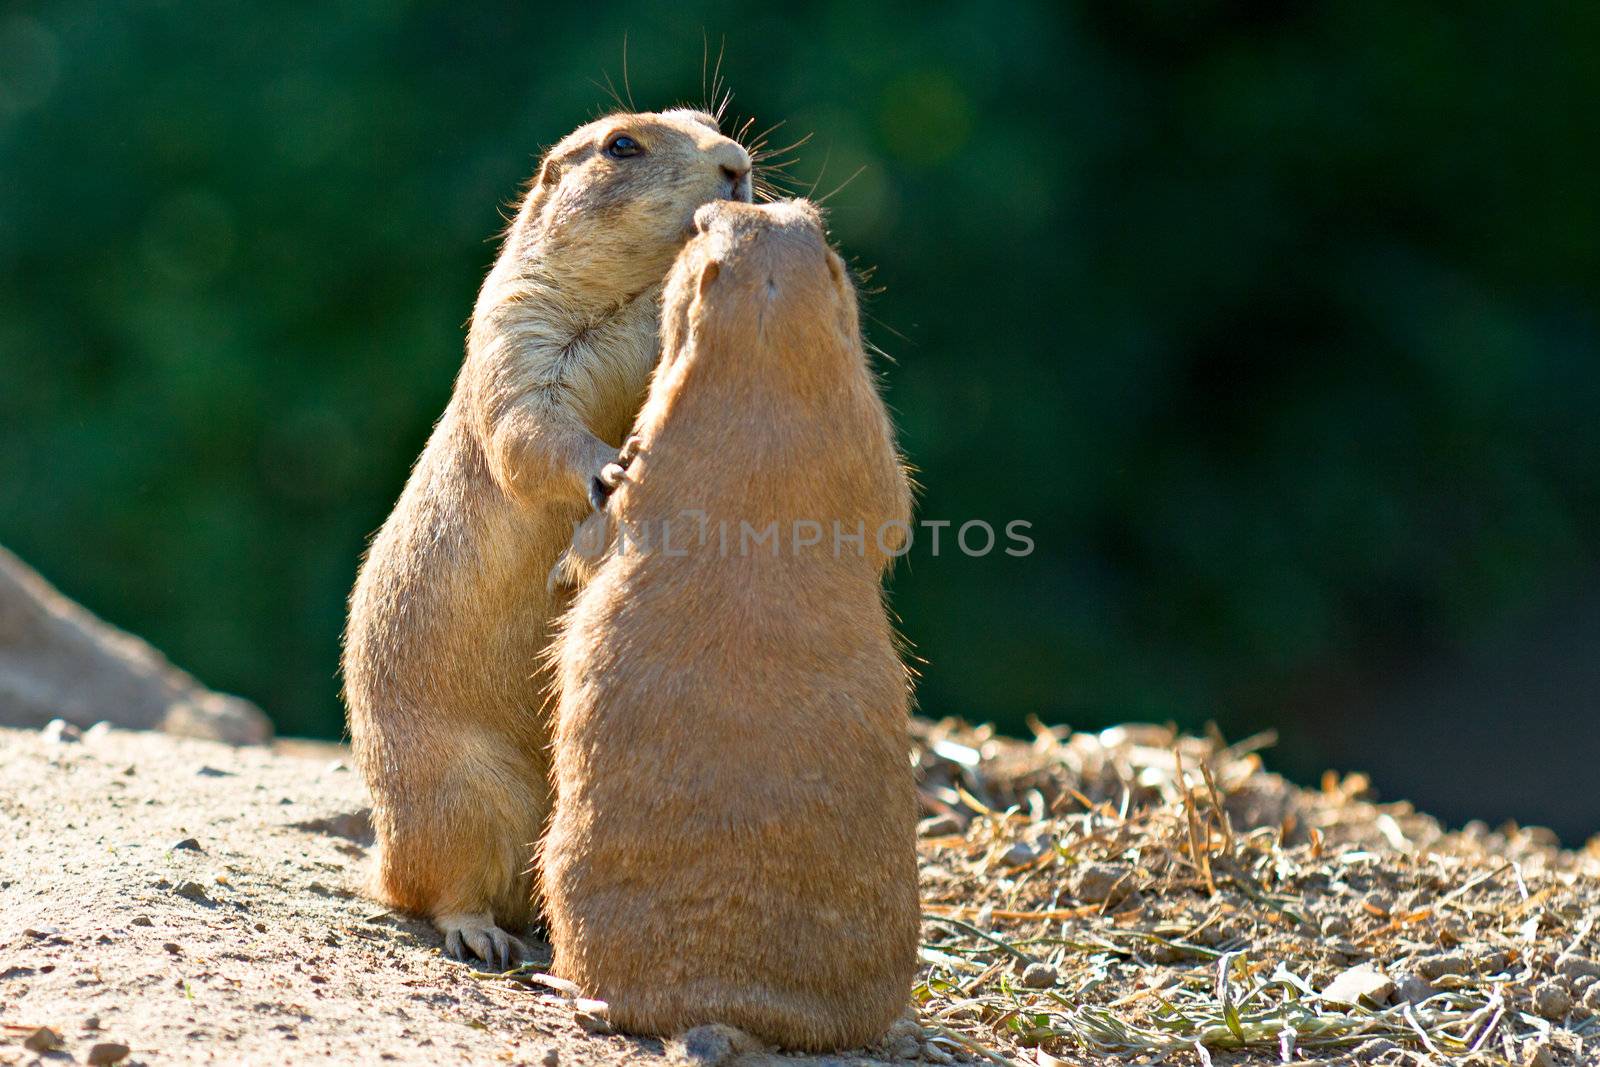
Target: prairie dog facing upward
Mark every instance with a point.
(450, 612)
(733, 839)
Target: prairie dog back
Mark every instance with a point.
(733, 833)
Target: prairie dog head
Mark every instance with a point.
(614, 200)
(762, 279)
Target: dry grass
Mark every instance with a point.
(1139, 897)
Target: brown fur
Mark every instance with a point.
(733, 836)
(450, 611)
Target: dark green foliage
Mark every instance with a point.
(1277, 320)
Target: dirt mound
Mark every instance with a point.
(1137, 895)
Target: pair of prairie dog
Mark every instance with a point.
(444, 673)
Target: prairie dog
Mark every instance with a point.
(733, 833)
(450, 612)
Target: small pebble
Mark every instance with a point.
(1095, 882)
(173, 947)
(1577, 967)
(107, 1052)
(98, 730)
(92, 1023)
(904, 1047)
(188, 844)
(212, 772)
(142, 920)
(1039, 976)
(1538, 1054)
(192, 890)
(711, 1045)
(1432, 967)
(1591, 999)
(43, 1039)
(1360, 985)
(552, 1058)
(61, 732)
(1018, 855)
(1552, 1001)
(1380, 1046)
(592, 1023)
(1335, 926)
(1413, 988)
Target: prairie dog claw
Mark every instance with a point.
(466, 936)
(603, 484)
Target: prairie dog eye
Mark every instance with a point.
(621, 146)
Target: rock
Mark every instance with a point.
(173, 947)
(1360, 985)
(1413, 988)
(58, 661)
(43, 1039)
(192, 890)
(1577, 967)
(142, 920)
(61, 732)
(1095, 882)
(1039, 976)
(188, 844)
(1538, 1054)
(904, 1047)
(1334, 926)
(1551, 1000)
(591, 1023)
(1371, 1050)
(1591, 999)
(1018, 855)
(107, 1052)
(1432, 967)
(712, 1045)
(552, 1058)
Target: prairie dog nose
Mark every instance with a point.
(733, 162)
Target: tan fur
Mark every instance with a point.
(450, 611)
(733, 836)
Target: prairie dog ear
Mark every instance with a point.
(549, 173)
(708, 274)
(836, 268)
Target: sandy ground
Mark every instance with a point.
(198, 903)
(1124, 897)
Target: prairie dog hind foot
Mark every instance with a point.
(466, 936)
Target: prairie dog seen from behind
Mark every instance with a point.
(733, 834)
(450, 612)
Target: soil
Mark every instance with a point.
(168, 900)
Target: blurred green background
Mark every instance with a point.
(1278, 321)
